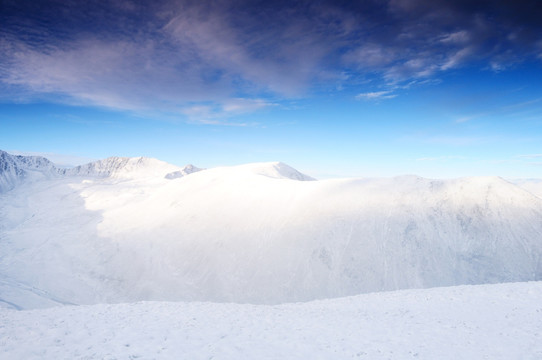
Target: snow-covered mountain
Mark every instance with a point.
(130, 168)
(18, 169)
(15, 169)
(187, 170)
(276, 170)
(125, 230)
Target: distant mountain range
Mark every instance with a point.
(130, 229)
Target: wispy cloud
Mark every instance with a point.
(241, 106)
(530, 156)
(523, 104)
(467, 118)
(457, 58)
(224, 113)
(115, 74)
(210, 56)
(441, 158)
(516, 109)
(451, 140)
(176, 54)
(376, 95)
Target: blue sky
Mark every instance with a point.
(335, 89)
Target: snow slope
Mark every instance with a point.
(122, 230)
(534, 186)
(15, 169)
(469, 322)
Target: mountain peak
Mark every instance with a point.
(15, 169)
(277, 170)
(186, 170)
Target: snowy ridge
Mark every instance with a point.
(249, 234)
(186, 170)
(124, 167)
(276, 170)
(15, 169)
(18, 169)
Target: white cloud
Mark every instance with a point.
(421, 66)
(116, 74)
(224, 113)
(239, 105)
(371, 56)
(457, 58)
(457, 37)
(172, 54)
(281, 59)
(466, 118)
(375, 96)
(198, 55)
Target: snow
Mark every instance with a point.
(119, 230)
(276, 170)
(128, 168)
(468, 322)
(15, 169)
(534, 186)
(187, 170)
(259, 261)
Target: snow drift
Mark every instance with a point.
(124, 230)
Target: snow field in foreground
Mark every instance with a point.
(466, 322)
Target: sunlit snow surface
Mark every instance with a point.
(218, 242)
(122, 230)
(468, 322)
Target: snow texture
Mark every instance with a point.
(468, 322)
